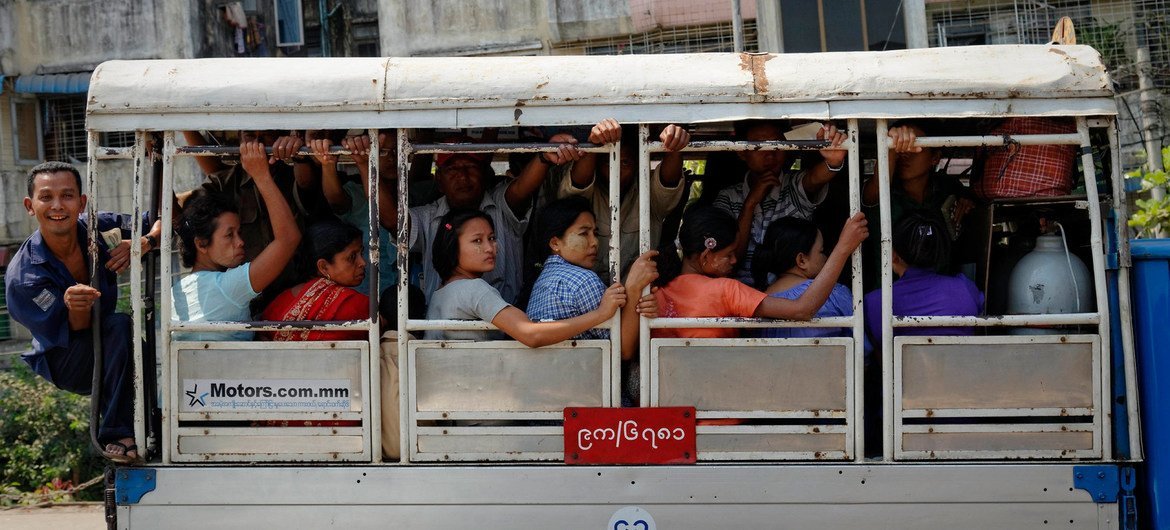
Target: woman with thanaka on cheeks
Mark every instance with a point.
(568, 287)
(693, 276)
(464, 250)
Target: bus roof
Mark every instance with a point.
(290, 93)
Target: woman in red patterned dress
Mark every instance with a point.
(334, 251)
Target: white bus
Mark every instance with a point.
(985, 431)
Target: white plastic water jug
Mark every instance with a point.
(1049, 280)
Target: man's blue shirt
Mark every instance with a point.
(36, 280)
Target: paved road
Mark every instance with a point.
(89, 517)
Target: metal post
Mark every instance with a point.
(95, 269)
(323, 18)
(169, 418)
(405, 427)
(643, 246)
(887, 344)
(737, 25)
(141, 164)
(375, 358)
(1124, 303)
(769, 26)
(1102, 298)
(858, 418)
(1149, 108)
(914, 19)
(615, 273)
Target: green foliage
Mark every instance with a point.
(46, 435)
(1152, 218)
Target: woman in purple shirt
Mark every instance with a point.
(922, 247)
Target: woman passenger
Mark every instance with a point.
(335, 254)
(568, 286)
(793, 252)
(922, 247)
(693, 276)
(464, 250)
(221, 284)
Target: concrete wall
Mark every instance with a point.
(576, 21)
(75, 35)
(448, 27)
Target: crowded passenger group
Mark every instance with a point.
(282, 236)
(282, 233)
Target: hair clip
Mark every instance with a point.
(709, 243)
(447, 226)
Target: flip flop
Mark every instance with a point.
(122, 457)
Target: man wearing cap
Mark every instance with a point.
(461, 179)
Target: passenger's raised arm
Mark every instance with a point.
(330, 181)
(530, 179)
(674, 139)
(359, 148)
(805, 307)
(834, 160)
(286, 236)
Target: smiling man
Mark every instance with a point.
(49, 292)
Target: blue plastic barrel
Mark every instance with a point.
(1151, 305)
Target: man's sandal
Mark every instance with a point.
(122, 454)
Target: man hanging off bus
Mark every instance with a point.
(48, 285)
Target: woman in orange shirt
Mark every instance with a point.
(693, 276)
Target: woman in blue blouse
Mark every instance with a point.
(792, 254)
(568, 287)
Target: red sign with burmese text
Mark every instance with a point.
(659, 435)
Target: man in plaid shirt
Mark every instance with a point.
(771, 190)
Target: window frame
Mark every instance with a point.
(15, 128)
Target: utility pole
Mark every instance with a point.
(1149, 107)
(737, 25)
(914, 19)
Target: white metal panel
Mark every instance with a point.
(746, 386)
(240, 85)
(528, 83)
(508, 376)
(770, 496)
(729, 376)
(254, 438)
(965, 395)
(1021, 72)
(993, 375)
(491, 390)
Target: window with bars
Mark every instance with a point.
(64, 129)
(682, 39)
(841, 25)
(26, 130)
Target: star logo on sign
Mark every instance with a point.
(192, 394)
